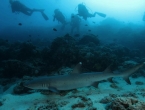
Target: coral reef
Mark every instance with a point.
(106, 100)
(83, 102)
(27, 51)
(89, 39)
(50, 106)
(25, 58)
(15, 68)
(122, 103)
(79, 105)
(63, 51)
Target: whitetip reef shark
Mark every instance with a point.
(77, 80)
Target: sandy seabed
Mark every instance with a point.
(105, 97)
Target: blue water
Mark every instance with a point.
(118, 16)
(122, 28)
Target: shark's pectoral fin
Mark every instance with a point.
(95, 84)
(110, 80)
(53, 89)
(127, 80)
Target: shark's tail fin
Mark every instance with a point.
(129, 72)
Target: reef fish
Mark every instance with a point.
(76, 79)
(54, 29)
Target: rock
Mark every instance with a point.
(139, 83)
(106, 100)
(123, 103)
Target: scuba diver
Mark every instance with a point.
(17, 7)
(83, 11)
(59, 17)
(75, 23)
(143, 17)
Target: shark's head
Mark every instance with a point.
(31, 85)
(35, 84)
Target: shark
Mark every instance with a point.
(76, 79)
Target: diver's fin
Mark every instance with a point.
(101, 14)
(44, 15)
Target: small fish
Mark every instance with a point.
(89, 30)
(86, 25)
(72, 16)
(54, 29)
(94, 22)
(20, 24)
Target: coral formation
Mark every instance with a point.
(106, 100)
(15, 68)
(79, 105)
(122, 103)
(25, 58)
(88, 39)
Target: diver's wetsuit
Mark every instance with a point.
(59, 17)
(83, 11)
(75, 23)
(19, 7)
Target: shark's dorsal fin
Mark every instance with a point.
(107, 70)
(77, 68)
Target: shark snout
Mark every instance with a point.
(26, 84)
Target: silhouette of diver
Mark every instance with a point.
(83, 11)
(59, 17)
(75, 23)
(17, 7)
